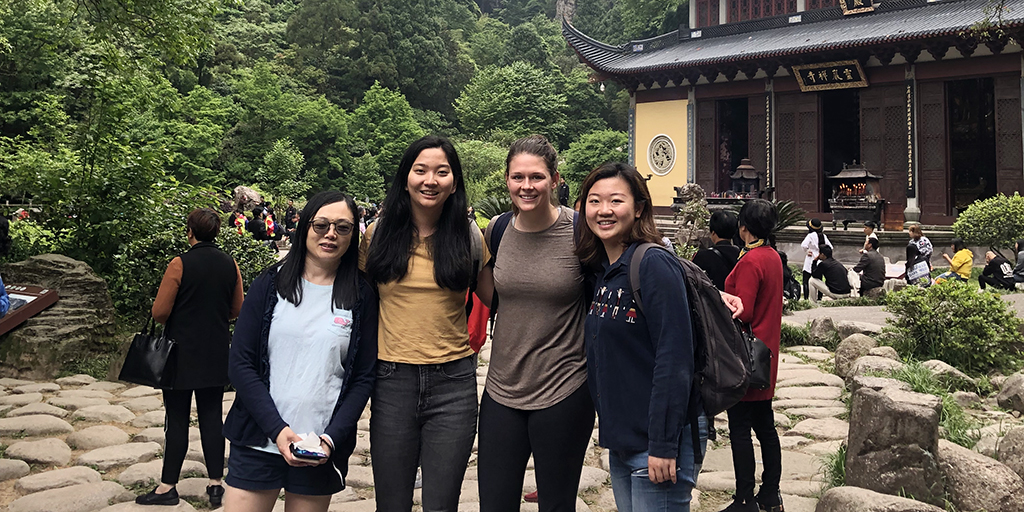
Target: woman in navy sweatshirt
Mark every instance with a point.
(303, 361)
(640, 363)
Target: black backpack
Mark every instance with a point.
(723, 353)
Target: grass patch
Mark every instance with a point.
(796, 305)
(857, 301)
(834, 467)
(3, 451)
(793, 336)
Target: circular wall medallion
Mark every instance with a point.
(661, 155)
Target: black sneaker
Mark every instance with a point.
(216, 493)
(770, 501)
(739, 505)
(168, 498)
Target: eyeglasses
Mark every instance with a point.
(341, 227)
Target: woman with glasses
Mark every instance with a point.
(302, 362)
(423, 257)
(200, 293)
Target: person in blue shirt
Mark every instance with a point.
(640, 363)
(5, 247)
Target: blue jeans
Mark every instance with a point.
(633, 489)
(422, 415)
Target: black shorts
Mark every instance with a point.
(257, 470)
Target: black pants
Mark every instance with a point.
(178, 408)
(983, 280)
(758, 416)
(807, 284)
(557, 436)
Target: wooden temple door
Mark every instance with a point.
(707, 146)
(1009, 153)
(933, 154)
(884, 147)
(797, 150)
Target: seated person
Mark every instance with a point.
(916, 273)
(835, 284)
(960, 264)
(872, 267)
(1018, 271)
(719, 260)
(998, 272)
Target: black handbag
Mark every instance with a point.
(760, 360)
(150, 359)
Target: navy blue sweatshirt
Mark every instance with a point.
(640, 364)
(253, 417)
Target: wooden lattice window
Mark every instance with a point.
(821, 4)
(743, 10)
(707, 13)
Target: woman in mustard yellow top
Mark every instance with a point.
(960, 264)
(422, 258)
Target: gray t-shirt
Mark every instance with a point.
(307, 347)
(538, 357)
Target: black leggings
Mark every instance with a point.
(178, 407)
(558, 437)
(758, 416)
(807, 286)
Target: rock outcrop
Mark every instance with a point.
(976, 482)
(76, 328)
(850, 349)
(893, 442)
(846, 499)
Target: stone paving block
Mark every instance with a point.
(22, 399)
(76, 380)
(143, 404)
(146, 473)
(149, 419)
(50, 451)
(56, 479)
(105, 413)
(42, 387)
(359, 477)
(86, 393)
(97, 437)
(140, 391)
(794, 403)
(821, 429)
(110, 387)
(76, 498)
(37, 425)
(73, 403)
(593, 478)
(355, 506)
(11, 469)
(817, 412)
(805, 488)
(8, 382)
(38, 408)
(182, 506)
(823, 379)
(809, 393)
(119, 455)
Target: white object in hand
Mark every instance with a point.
(310, 442)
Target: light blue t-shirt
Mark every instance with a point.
(307, 347)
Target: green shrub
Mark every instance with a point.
(140, 266)
(994, 222)
(919, 377)
(855, 301)
(975, 332)
(793, 336)
(28, 239)
(789, 306)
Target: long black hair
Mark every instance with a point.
(395, 232)
(346, 281)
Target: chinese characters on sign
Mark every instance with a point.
(856, 6)
(844, 74)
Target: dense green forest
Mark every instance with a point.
(118, 116)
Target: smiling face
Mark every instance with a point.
(611, 210)
(430, 180)
(529, 182)
(330, 246)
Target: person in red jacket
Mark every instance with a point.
(757, 280)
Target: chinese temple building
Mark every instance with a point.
(793, 99)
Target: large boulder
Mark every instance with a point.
(873, 365)
(977, 482)
(78, 327)
(845, 499)
(949, 376)
(893, 442)
(1011, 393)
(850, 349)
(876, 383)
(822, 331)
(1011, 450)
(848, 327)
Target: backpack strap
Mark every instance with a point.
(634, 271)
(497, 231)
(476, 250)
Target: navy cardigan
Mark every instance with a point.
(253, 417)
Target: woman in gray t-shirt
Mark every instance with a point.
(536, 400)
